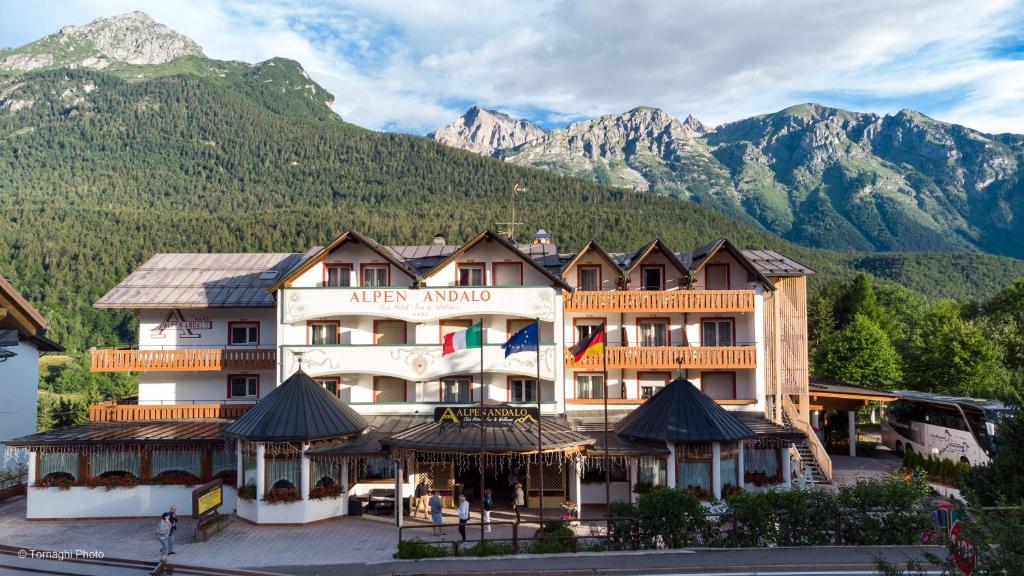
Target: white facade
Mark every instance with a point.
(19, 384)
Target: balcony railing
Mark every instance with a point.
(115, 411)
(670, 357)
(182, 360)
(660, 301)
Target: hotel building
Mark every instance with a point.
(219, 334)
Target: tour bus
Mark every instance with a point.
(946, 427)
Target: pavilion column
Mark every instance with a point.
(261, 470)
(634, 475)
(787, 467)
(344, 476)
(239, 466)
(304, 473)
(33, 470)
(575, 485)
(740, 464)
(716, 470)
(672, 465)
(852, 424)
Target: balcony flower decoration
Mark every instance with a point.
(247, 492)
(174, 478)
(56, 480)
(278, 495)
(229, 477)
(111, 481)
(325, 492)
(761, 478)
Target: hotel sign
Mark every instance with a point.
(207, 498)
(175, 320)
(491, 416)
(420, 304)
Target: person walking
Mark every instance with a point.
(436, 513)
(422, 495)
(488, 505)
(163, 533)
(463, 516)
(518, 501)
(172, 517)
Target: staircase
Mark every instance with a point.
(807, 460)
(812, 453)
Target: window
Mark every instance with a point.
(456, 390)
(595, 474)
(507, 274)
(716, 277)
(589, 278)
(323, 333)
(590, 386)
(651, 278)
(375, 470)
(375, 275)
(717, 332)
(332, 385)
(652, 332)
(389, 332)
(244, 334)
(243, 386)
(522, 390)
(719, 385)
(471, 274)
(650, 382)
(387, 389)
(586, 327)
(338, 275)
(652, 473)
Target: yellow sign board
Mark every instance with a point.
(207, 498)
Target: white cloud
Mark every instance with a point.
(413, 65)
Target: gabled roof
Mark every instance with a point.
(299, 410)
(492, 235)
(658, 244)
(704, 254)
(17, 313)
(774, 263)
(680, 412)
(592, 246)
(346, 236)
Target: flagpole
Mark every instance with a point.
(607, 459)
(540, 441)
(481, 464)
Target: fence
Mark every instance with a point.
(845, 527)
(13, 483)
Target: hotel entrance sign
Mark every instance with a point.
(490, 416)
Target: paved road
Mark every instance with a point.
(822, 560)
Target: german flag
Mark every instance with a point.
(592, 345)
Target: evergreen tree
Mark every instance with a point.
(860, 354)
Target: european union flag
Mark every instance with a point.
(525, 340)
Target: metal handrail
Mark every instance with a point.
(820, 455)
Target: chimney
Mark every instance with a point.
(439, 239)
(542, 237)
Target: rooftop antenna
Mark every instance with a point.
(510, 230)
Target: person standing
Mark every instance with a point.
(463, 516)
(422, 495)
(172, 517)
(518, 501)
(488, 505)
(436, 510)
(163, 533)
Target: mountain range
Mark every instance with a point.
(120, 139)
(815, 175)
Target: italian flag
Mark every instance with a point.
(471, 337)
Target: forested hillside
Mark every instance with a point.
(98, 173)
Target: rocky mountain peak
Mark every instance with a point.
(487, 132)
(131, 38)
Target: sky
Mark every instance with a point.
(414, 65)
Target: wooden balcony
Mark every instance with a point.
(113, 411)
(182, 359)
(660, 301)
(670, 358)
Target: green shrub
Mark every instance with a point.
(485, 549)
(416, 549)
(663, 518)
(884, 511)
(557, 538)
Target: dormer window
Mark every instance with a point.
(716, 277)
(652, 278)
(471, 275)
(589, 278)
(338, 275)
(375, 276)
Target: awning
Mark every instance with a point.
(443, 437)
(831, 395)
(132, 433)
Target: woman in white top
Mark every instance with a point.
(518, 501)
(463, 509)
